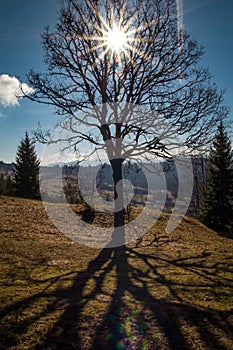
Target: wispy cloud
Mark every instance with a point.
(10, 90)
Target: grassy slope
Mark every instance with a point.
(171, 292)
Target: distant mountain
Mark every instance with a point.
(165, 180)
(132, 172)
(6, 168)
(102, 175)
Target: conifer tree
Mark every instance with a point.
(9, 189)
(217, 200)
(6, 185)
(26, 173)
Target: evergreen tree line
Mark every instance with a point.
(25, 180)
(217, 197)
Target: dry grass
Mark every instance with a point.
(166, 292)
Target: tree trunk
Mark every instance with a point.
(119, 211)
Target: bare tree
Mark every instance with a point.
(152, 65)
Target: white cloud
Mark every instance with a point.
(10, 90)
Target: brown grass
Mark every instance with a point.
(166, 292)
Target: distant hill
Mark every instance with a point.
(6, 168)
(133, 173)
(165, 180)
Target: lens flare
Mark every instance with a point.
(115, 36)
(116, 39)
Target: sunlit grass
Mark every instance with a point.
(51, 286)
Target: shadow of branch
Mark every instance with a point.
(131, 299)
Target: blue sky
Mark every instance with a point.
(22, 22)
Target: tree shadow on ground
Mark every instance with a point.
(226, 234)
(87, 215)
(131, 299)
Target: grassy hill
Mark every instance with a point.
(168, 292)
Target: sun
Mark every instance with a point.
(115, 39)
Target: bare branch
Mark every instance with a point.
(152, 70)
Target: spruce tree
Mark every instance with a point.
(217, 199)
(26, 173)
(9, 190)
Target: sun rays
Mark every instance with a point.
(117, 36)
(115, 39)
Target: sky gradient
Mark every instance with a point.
(21, 24)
